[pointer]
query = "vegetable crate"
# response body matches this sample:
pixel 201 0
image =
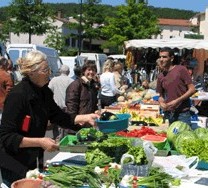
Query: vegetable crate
pixel 66 145
pixel 165 151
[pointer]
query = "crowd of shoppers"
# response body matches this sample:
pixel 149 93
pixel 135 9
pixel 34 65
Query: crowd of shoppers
pixel 73 104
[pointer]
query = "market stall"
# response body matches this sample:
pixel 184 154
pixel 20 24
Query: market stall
pixel 110 157
pixel 194 174
pixel 199 47
pixel 180 43
pixel 131 141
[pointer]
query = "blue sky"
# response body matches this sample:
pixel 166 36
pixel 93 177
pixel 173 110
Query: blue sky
pixel 195 5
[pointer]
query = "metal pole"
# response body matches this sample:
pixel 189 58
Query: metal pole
pixel 80 29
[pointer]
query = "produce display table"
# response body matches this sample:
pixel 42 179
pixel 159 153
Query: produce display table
pixel 201 96
pixel 189 181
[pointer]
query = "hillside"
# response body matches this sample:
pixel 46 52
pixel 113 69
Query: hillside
pixel 71 9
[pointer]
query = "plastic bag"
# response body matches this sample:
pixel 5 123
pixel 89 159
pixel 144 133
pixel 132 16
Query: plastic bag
pixel 132 169
pixel 177 166
pixel 150 150
pixel 138 170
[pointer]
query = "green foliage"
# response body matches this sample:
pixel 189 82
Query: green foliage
pixel 4 35
pixel 194 36
pixel 172 13
pixel 93 17
pixel 55 40
pixel 28 16
pixel 135 20
pixel 73 9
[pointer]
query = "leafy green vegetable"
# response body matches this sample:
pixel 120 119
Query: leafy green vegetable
pixel 176 182
pixel 112 147
pixel 139 155
pixel 111 176
pixel 156 178
pixel 73 176
pixel 94 156
pixel 113 117
pixel 192 147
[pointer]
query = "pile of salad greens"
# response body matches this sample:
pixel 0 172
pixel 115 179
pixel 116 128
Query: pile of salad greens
pixel 112 148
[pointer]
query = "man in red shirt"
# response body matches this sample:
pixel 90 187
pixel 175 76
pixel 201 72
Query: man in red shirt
pixel 175 87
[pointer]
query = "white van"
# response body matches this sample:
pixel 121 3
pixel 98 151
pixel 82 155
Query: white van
pixel 72 62
pixel 98 58
pixel 16 51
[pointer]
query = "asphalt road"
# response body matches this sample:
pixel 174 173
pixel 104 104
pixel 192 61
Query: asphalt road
pixel 47 155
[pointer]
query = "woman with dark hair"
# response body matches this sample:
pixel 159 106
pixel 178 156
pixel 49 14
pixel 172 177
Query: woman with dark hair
pixel 81 94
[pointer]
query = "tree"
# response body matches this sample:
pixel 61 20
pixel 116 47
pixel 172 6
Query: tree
pixel 28 16
pixel 55 40
pixel 134 21
pixel 92 21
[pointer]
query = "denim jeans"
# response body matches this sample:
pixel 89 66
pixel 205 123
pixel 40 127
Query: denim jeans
pixel 175 116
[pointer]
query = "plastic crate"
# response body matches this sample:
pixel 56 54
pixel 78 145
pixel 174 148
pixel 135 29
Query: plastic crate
pixel 165 151
pixel 174 152
pixel 111 126
pixel 67 140
pixel 66 145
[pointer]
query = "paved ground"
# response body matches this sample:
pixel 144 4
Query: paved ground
pixel 47 154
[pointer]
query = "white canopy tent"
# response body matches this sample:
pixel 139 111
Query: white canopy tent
pixel 179 43
pixel 200 47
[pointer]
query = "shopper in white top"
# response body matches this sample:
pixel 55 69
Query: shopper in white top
pixel 108 86
pixel 58 85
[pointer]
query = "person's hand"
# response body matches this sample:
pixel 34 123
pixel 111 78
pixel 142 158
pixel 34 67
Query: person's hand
pixel 87 118
pixel 172 105
pixel 49 144
pixel 124 87
pixel 163 106
pixel 99 112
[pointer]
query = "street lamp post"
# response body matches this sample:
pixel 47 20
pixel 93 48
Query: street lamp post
pixel 80 29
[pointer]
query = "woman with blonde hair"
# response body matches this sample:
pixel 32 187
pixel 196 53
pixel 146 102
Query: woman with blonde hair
pixel 28 108
pixel 108 85
pixel 118 68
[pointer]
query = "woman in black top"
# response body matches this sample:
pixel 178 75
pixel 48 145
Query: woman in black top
pixel 27 109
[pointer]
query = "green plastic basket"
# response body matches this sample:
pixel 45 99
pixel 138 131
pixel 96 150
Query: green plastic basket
pixel 66 145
